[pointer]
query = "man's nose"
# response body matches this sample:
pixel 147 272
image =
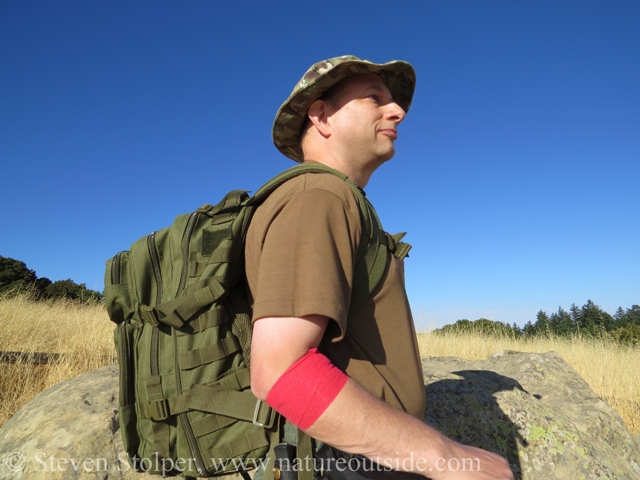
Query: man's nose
pixel 395 112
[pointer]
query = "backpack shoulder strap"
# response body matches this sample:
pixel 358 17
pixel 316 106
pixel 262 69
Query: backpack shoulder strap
pixel 375 245
pixel 269 187
pixel 373 254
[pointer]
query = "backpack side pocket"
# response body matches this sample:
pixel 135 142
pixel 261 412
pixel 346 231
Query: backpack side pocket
pixel 119 302
pixel 125 336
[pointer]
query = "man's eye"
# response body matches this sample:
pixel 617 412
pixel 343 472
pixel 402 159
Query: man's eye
pixel 375 97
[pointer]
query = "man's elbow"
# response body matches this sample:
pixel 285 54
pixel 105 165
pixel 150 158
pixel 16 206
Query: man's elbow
pixel 265 373
pixel 277 344
pixel 260 383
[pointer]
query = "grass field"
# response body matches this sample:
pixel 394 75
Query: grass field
pixel 83 335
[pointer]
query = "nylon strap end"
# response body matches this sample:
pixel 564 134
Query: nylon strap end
pixel 402 250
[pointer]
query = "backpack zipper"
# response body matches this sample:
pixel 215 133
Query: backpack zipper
pixel 186 239
pixel 155 264
pixel 115 269
pixel 184 419
pixel 124 364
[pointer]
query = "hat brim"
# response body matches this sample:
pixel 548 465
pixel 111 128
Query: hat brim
pixel 398 76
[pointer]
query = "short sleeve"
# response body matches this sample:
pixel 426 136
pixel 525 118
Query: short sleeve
pixel 307 257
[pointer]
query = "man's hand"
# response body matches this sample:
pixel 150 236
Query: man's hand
pixel 471 463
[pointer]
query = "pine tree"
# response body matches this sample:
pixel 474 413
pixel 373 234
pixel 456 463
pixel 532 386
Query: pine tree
pixel 576 316
pixel 542 325
pixel 595 320
pixel 566 323
pixel 529 330
pixel 619 318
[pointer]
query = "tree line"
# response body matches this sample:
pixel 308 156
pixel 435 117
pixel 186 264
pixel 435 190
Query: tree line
pixel 16 277
pixel 587 321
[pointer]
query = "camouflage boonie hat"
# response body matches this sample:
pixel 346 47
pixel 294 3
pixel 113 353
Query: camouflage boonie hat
pixel 398 76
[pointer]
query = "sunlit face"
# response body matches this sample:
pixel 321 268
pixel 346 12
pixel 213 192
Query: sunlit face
pixel 364 119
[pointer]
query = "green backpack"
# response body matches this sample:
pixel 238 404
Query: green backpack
pixel 183 336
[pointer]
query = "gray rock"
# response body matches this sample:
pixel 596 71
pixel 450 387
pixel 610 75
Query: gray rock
pixel 533 409
pixel 68 431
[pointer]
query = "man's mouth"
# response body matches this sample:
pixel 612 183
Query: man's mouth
pixel 391 132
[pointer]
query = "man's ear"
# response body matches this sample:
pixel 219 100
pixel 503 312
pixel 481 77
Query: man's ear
pixel 318 115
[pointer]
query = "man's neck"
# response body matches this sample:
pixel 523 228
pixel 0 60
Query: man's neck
pixel 360 176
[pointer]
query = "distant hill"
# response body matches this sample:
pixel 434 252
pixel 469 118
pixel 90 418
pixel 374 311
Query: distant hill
pixel 16 277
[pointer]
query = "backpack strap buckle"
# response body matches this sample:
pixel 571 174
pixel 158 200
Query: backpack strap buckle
pixel 149 315
pixel 158 410
pixel 398 248
pixel 268 414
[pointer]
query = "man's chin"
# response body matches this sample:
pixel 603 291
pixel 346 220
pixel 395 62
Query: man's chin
pixel 388 155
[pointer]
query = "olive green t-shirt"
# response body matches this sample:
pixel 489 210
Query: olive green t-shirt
pixel 300 254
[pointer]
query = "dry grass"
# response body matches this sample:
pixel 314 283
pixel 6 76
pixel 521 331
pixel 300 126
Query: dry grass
pixel 610 370
pixel 81 333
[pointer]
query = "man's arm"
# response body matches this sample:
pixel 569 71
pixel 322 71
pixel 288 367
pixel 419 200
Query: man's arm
pixel 356 421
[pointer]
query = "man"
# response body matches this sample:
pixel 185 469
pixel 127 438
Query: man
pixel 352 380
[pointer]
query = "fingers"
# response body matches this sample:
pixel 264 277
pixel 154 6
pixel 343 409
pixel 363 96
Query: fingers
pixel 471 463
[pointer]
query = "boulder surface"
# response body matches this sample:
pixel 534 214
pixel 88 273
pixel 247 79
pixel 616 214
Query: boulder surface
pixel 68 431
pixel 533 409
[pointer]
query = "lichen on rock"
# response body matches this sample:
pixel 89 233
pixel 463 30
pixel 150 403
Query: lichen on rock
pixel 535 410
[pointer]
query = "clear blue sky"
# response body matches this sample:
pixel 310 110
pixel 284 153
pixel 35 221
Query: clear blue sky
pixel 517 169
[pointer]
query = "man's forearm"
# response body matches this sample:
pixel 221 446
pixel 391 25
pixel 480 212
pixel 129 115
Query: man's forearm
pixel 357 422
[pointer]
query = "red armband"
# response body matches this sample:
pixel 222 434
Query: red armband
pixel 306 389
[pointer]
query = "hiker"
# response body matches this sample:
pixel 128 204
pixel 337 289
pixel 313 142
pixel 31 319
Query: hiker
pixel 352 380
pixel 332 347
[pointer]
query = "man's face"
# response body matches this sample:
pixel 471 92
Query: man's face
pixel 364 119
